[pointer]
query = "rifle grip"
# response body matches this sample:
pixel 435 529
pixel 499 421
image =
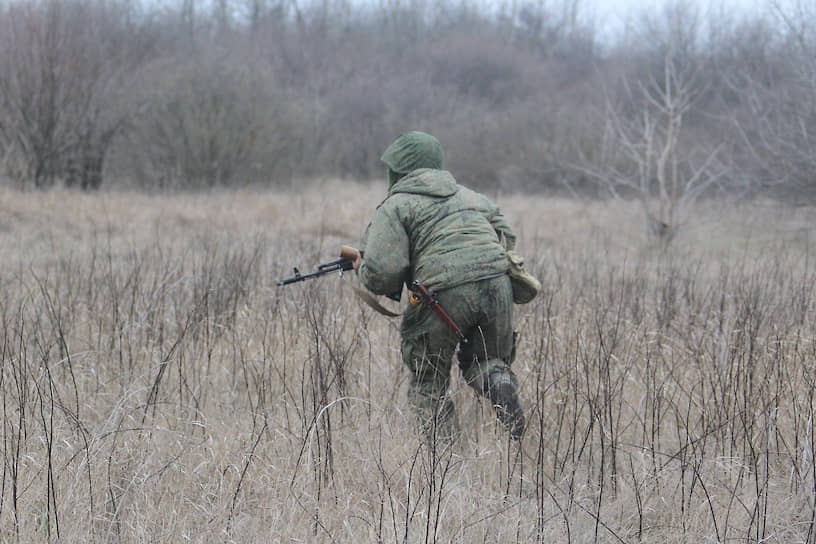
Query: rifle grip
pixel 348 252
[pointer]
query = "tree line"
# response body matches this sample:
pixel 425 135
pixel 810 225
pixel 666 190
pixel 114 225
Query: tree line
pixel 524 95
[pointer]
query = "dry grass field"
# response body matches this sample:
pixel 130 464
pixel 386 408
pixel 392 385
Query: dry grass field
pixel 157 386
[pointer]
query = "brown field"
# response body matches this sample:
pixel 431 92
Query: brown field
pixel 158 387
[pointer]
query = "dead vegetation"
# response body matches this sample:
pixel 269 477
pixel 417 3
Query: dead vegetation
pixel 157 386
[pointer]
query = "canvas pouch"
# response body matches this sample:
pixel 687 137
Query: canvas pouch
pixel 525 285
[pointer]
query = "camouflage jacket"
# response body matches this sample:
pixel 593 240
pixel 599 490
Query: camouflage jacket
pixel 433 230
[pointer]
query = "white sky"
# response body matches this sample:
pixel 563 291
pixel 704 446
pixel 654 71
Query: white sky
pixel 615 8
pixel 612 15
pixel 619 10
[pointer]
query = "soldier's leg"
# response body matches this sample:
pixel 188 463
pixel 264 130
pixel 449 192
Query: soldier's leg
pixel 503 393
pixel 427 351
pixel 486 358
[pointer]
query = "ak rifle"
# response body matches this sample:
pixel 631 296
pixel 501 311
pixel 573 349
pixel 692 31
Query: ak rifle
pixel 344 263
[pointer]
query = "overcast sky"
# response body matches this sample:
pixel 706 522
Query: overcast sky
pixel 611 15
pixel 616 8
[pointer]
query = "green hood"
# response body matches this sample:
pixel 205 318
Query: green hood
pixel 414 150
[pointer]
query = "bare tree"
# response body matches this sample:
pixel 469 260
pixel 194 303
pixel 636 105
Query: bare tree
pixel 776 117
pixel 205 93
pixel 33 93
pixel 200 125
pixel 645 151
pixel 65 66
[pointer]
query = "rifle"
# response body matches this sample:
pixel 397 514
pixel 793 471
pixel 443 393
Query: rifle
pixel 344 263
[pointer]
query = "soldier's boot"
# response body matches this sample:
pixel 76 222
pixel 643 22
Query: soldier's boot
pixel 504 397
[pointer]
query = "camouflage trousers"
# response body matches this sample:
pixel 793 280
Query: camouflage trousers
pixel 483 310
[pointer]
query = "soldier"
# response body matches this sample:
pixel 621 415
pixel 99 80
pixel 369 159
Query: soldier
pixel 453 241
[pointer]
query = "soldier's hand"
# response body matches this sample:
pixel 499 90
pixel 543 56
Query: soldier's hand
pixel 352 254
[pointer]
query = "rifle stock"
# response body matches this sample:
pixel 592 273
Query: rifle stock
pixel 424 295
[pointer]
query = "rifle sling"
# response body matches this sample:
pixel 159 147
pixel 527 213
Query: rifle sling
pixel 372 301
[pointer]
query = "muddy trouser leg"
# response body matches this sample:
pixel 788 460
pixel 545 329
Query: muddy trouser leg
pixel 486 358
pixel 427 351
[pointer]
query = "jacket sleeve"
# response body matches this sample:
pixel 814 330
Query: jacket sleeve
pixel 386 252
pixel 491 212
pixel 501 226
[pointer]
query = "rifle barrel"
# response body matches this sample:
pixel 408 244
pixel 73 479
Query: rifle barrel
pixel 340 265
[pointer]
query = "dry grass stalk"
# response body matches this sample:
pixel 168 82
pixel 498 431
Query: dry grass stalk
pixel 157 386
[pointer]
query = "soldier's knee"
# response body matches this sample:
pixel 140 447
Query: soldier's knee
pixel 477 375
